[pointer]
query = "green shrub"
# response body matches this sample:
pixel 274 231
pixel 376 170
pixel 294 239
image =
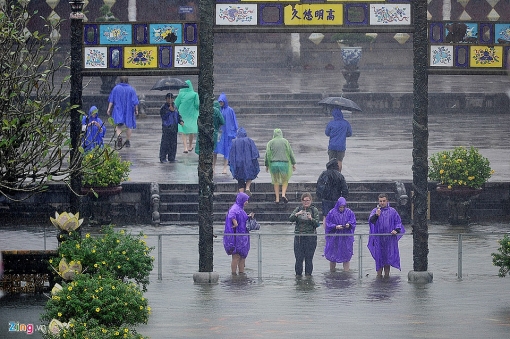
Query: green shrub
pixel 502 259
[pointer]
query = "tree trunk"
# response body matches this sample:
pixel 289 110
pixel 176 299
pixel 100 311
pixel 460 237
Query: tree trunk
pixel 205 136
pixel 420 136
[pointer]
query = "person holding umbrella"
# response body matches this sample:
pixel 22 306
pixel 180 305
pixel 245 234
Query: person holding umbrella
pixel 170 119
pixel 338 130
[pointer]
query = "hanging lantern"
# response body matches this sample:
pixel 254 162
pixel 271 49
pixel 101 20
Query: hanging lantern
pixel 401 37
pixel 316 38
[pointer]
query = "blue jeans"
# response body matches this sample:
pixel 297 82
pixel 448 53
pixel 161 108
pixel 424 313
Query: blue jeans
pixel 304 249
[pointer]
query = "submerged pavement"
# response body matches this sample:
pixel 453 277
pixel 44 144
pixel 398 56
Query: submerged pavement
pixel 352 304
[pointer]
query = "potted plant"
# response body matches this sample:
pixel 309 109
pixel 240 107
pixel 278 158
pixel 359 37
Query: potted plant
pixel 461 174
pixel 103 171
pixel 351 52
pixel 502 259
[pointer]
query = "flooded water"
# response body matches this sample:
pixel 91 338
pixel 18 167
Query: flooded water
pixel 340 304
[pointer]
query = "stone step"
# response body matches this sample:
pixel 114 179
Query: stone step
pixel 180 202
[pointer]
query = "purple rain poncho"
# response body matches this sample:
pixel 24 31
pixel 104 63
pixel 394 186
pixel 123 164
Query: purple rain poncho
pixel 237 244
pixel 338 130
pixel 228 130
pixel 243 158
pixel 124 100
pixel 93 134
pixel 188 104
pixel 384 249
pixel 339 248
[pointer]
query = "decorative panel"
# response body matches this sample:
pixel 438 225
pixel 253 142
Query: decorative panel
pixel 441 56
pixel 96 57
pixel 486 56
pixel 140 57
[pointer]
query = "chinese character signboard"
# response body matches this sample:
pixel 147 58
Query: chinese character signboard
pixel 290 13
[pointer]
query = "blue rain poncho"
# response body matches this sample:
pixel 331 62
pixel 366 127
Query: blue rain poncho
pixel 124 100
pixel 243 158
pixel 94 134
pixel 338 130
pixel 228 130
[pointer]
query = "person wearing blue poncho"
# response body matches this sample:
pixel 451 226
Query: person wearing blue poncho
pixel 237 246
pixel 384 248
pixel 228 132
pixel 338 130
pixel 94 130
pixel 123 107
pixel 243 160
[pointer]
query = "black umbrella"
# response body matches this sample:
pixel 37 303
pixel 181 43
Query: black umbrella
pixel 169 84
pixel 341 102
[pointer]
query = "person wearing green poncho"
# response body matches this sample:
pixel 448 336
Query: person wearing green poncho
pixel 280 162
pixel 218 121
pixel 188 104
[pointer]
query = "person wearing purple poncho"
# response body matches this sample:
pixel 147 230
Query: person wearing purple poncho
pixel 237 246
pixel 94 130
pixel 227 132
pixel 243 160
pixel 384 248
pixel 340 220
pixel 123 107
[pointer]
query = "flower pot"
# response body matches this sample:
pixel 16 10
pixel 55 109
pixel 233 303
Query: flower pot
pixel 459 202
pixel 351 56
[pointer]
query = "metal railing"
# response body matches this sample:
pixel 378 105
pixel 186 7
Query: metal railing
pixel 358 236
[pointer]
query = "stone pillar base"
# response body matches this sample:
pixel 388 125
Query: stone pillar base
pixel 423 277
pixel 206 277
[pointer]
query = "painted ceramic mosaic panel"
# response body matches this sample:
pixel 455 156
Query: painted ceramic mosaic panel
pixel 115 34
pixel 461 32
pixel 389 14
pixel 162 33
pixel 486 56
pixel 186 56
pixel 236 15
pixel 441 56
pixel 95 57
pixel 502 33
pixel 141 57
pixel 313 14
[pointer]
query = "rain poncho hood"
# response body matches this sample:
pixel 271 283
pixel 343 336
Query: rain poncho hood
pixel 339 249
pixel 188 104
pixel 384 249
pixel 237 244
pixel 93 134
pixel 243 157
